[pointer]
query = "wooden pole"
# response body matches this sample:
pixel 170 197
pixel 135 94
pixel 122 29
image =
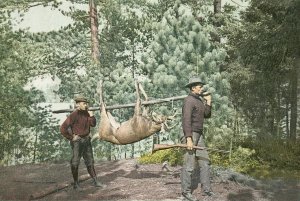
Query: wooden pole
pixel 151 102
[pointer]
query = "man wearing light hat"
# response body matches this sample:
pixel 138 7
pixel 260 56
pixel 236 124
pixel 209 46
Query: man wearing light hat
pixel 76 128
pixel 196 107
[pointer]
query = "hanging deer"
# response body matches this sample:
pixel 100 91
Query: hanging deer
pixel 140 126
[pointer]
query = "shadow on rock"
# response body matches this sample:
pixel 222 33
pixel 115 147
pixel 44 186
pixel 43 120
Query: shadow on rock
pixel 244 195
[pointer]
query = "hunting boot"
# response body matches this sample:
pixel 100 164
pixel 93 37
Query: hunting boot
pixel 188 197
pixel 76 185
pixel 92 172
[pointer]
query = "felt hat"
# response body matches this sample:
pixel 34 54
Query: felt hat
pixel 80 98
pixel 194 81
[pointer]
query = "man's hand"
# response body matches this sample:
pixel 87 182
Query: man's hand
pixel 208 99
pixel 75 137
pixel 91 113
pixel 189 143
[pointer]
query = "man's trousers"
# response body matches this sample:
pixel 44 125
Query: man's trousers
pixel 82 148
pixel 195 161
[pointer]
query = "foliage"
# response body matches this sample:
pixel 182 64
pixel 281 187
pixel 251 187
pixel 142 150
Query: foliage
pixel 18 65
pixel 182 48
pixel 26 4
pixel 241 160
pixel 264 50
pixel 47 143
pixel 172 156
pixel 16 101
pixel 218 159
pixel 261 158
pixel 278 153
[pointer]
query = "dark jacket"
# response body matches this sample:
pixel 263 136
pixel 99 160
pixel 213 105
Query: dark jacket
pixel 78 122
pixel 194 111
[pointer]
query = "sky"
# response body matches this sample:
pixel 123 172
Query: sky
pixel 44 19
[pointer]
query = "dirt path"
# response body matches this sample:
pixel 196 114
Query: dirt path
pixel 126 180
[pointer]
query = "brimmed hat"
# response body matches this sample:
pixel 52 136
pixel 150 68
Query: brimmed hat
pixel 193 81
pixel 80 98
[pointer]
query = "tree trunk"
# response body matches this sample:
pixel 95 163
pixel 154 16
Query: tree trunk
pixel 294 96
pixel 155 140
pixel 94 31
pixel 109 152
pixel 298 100
pixel 34 147
pixel 132 150
pixel 278 112
pixel 217 11
pixel 287 119
pixel 217 6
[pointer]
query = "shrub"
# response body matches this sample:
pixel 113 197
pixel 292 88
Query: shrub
pixel 279 153
pixel 173 156
pixel 243 160
pixel 219 159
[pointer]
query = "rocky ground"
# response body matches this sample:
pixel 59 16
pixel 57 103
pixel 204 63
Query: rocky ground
pixel 128 180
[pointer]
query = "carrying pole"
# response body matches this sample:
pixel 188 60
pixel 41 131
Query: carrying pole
pixel 151 102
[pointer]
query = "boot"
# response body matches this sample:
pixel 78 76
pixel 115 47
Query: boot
pixel 208 193
pixel 76 185
pixel 92 172
pixel 97 183
pixel 188 197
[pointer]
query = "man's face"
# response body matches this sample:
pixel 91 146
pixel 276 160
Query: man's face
pixel 82 105
pixel 197 89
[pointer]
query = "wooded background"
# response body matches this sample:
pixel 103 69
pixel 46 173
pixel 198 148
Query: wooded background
pixel 248 56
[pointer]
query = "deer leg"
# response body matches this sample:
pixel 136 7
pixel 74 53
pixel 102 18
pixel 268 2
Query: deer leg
pixel 143 91
pixel 145 108
pixel 108 115
pixel 100 91
pixel 113 122
pixel 137 109
pixel 106 130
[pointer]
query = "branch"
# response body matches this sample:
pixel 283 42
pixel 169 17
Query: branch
pixel 238 3
pixel 55 188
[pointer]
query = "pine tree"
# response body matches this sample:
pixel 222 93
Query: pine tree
pixel 182 48
pixel 264 67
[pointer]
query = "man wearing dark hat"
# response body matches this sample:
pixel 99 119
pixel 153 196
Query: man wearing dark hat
pixel 76 128
pixel 195 108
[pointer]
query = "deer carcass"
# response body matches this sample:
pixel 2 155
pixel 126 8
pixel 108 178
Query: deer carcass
pixel 133 130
